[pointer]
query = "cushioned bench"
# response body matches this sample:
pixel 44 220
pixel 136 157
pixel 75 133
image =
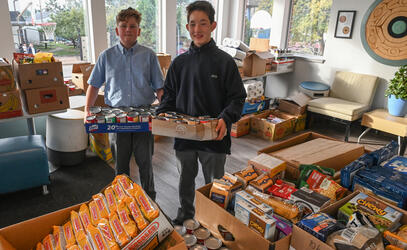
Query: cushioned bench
pixel 23 163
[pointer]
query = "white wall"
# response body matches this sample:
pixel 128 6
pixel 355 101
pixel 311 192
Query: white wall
pixel 6 42
pixel 340 54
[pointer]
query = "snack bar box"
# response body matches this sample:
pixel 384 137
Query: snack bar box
pixel 26 234
pixel 117 127
pixel 199 132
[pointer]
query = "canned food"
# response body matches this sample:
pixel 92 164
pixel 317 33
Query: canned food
pixel 171 113
pixel 72 87
pixel 106 112
pixel 95 110
pixel 198 247
pixel 100 119
pixel 126 109
pixel 133 116
pixel 121 118
pixel 116 111
pixel 228 236
pixel 180 229
pixel 191 225
pixel 106 109
pixel 144 118
pixel 204 117
pixel 192 121
pixel 91 119
pixel 190 240
pixel 204 121
pixel 110 118
pixel 213 243
pixel 201 235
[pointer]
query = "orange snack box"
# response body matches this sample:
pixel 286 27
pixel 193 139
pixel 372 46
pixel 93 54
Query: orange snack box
pixel 96 238
pixel 145 205
pixel 262 182
pixel 39 246
pixel 94 214
pixel 111 199
pixel 85 215
pixel 107 233
pixel 85 244
pixel 73 247
pixel 119 233
pixel 119 192
pixel 59 238
pixel 48 242
pixel 77 227
pixel 68 234
pixel 124 182
pixel 136 213
pixel 128 224
pixel 101 204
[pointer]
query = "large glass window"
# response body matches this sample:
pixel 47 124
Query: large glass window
pixel 257 19
pixel 183 38
pixel 308 26
pixel 149 20
pixel 56 26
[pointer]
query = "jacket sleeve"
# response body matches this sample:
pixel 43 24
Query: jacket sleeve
pixel 235 94
pixel 168 100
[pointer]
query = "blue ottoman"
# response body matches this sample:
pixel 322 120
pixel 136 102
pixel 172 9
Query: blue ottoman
pixel 23 163
pixel 314 89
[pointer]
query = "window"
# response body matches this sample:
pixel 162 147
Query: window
pixel 308 26
pixel 149 20
pixel 257 19
pixel 56 26
pixel 182 36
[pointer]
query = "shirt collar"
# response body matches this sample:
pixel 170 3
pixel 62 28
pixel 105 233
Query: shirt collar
pixel 204 47
pixel 123 50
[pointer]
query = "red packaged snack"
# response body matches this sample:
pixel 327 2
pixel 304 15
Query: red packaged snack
pixel 281 189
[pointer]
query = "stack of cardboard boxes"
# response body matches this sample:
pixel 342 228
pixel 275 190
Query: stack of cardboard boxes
pixel 10 102
pixel 43 86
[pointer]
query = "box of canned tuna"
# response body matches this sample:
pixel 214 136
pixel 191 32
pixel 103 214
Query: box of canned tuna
pixel 119 120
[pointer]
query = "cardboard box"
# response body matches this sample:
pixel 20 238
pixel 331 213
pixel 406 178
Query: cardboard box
pixel 81 73
pixel 200 132
pixel 314 148
pixel 254 64
pixel 46 99
pixel 34 230
pixel 174 241
pixel 39 75
pixel 245 238
pixel 282 66
pixel 253 107
pixel 241 127
pixel 6 77
pixel 165 61
pixel 264 163
pixel 259 44
pixel 304 240
pixel 295 104
pixel 10 104
pixel 272 131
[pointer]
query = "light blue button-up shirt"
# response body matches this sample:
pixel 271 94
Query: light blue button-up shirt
pixel 131 75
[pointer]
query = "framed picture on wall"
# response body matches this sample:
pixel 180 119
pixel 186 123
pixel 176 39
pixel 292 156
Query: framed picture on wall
pixel 344 24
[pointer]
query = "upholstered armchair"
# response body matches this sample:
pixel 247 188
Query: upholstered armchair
pixel 351 95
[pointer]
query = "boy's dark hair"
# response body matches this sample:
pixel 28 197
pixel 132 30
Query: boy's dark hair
pixel 204 6
pixel 126 14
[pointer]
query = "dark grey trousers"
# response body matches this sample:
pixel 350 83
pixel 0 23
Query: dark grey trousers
pixel 213 166
pixel 141 144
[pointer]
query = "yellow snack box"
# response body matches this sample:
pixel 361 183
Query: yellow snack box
pixel 124 182
pixel 94 214
pixel 111 199
pixel 101 204
pixel 128 224
pixel 43 57
pixel 59 238
pixel 119 233
pixel 145 205
pixel 85 215
pixel 136 213
pixel 77 227
pixel 48 242
pixel 107 233
pixel 68 234
pixel 96 238
pixel 119 192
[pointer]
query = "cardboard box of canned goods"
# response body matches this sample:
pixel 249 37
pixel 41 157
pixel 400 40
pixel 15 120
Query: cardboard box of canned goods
pixel 26 234
pixel 185 127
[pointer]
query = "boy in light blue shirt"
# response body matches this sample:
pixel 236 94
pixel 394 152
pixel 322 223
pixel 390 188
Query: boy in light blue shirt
pixel 133 78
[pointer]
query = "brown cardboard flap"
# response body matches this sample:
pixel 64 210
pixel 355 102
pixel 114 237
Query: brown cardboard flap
pixel 259 44
pixel 76 67
pixel 5 245
pixel 86 70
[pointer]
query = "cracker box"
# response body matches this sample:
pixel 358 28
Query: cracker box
pixel 381 215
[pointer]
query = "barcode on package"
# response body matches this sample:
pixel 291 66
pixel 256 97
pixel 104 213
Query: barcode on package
pixel 349 234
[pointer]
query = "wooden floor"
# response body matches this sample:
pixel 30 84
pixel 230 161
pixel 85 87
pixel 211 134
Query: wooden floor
pixel 243 148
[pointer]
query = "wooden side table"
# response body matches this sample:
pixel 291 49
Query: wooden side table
pixel 380 119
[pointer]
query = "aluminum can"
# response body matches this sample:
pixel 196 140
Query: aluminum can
pixel 201 235
pixel 91 119
pixel 213 243
pixel 121 118
pixel 191 225
pixel 110 118
pixel 190 240
pixel 100 119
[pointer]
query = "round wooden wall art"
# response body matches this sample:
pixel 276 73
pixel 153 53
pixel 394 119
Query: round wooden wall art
pixel 384 31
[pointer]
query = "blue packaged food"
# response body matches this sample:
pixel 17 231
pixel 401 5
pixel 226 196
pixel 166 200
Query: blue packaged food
pixel 385 153
pixel 347 173
pixel 397 163
pixel 320 225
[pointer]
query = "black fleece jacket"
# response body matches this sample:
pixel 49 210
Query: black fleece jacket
pixel 204 81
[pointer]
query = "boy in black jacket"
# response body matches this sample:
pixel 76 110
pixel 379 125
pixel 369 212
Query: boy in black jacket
pixel 202 81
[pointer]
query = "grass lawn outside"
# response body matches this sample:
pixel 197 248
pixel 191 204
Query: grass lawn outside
pixel 59 49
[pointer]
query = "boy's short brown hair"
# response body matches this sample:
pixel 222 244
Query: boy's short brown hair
pixel 204 6
pixel 126 14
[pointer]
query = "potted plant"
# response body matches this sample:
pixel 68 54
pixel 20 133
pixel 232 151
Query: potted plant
pixel 397 93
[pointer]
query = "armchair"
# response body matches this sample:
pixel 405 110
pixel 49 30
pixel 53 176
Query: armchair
pixel 351 95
